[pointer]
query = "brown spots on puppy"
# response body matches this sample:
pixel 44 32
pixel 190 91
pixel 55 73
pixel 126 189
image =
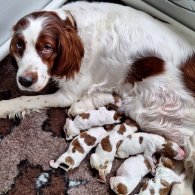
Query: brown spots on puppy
pixel 84 115
pixel 118 144
pixel 82 131
pixel 145 185
pixel 112 107
pixel 116 116
pixel 106 145
pixel 168 150
pixel 147 164
pixel 122 189
pixel 188 72
pixel 145 67
pixel 88 139
pixel 122 129
pixel 152 192
pixel 69 160
pixel 167 162
pixel 164 183
pixel 140 139
pixel 109 127
pixel 166 189
pixel 77 146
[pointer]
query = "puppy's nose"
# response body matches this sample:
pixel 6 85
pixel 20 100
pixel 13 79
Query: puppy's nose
pixel 25 81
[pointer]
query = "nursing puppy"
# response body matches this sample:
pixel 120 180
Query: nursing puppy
pixel 79 148
pixel 162 182
pixel 129 174
pixel 105 152
pixel 91 118
pixel 148 144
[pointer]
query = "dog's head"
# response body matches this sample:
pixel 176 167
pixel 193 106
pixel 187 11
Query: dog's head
pixel 45 44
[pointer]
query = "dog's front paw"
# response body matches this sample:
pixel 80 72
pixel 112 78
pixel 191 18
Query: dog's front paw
pixel 4 109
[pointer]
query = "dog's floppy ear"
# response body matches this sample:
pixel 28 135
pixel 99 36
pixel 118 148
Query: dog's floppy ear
pixel 70 52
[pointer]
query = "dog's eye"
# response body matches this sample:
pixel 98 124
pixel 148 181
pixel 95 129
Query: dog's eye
pixel 19 45
pixel 47 48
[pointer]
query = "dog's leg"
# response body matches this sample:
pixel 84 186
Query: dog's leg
pixel 92 102
pixel 24 104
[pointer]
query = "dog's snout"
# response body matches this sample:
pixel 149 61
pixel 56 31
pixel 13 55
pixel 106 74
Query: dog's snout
pixel 28 79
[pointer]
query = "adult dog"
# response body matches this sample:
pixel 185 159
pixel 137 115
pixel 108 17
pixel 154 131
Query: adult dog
pixel 94 49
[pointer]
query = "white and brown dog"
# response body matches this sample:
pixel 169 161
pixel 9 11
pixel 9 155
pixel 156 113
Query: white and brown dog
pixel 96 48
pixel 129 174
pixel 93 118
pixel 105 152
pixel 161 184
pixel 79 148
pixel 148 144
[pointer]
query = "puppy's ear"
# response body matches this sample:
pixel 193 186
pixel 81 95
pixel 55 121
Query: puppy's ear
pixel 70 52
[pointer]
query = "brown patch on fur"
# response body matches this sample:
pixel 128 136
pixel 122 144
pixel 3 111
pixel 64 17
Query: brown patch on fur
pixel 140 139
pixel 122 189
pixel 116 116
pixel 82 131
pixel 164 191
pixel 145 185
pixel 145 67
pixel 147 164
pixel 168 151
pixel 105 143
pixel 84 115
pixel 152 192
pixel 188 72
pixel 118 144
pixel 122 129
pixel 164 182
pixel 88 139
pixel 167 162
pixel 69 160
pixel 112 107
pixel 77 146
pixel 109 127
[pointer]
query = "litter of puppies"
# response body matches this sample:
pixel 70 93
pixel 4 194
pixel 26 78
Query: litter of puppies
pixel 104 128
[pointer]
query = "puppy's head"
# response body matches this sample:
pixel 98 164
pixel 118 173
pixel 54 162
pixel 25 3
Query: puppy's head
pixel 172 150
pixel 45 44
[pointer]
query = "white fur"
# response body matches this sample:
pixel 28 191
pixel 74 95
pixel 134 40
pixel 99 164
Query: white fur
pixel 113 37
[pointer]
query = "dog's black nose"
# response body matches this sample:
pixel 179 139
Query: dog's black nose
pixel 26 81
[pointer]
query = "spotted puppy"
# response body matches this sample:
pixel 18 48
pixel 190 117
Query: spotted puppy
pixel 129 174
pixel 148 144
pixel 162 181
pixel 105 152
pixel 79 148
pixel 92 118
